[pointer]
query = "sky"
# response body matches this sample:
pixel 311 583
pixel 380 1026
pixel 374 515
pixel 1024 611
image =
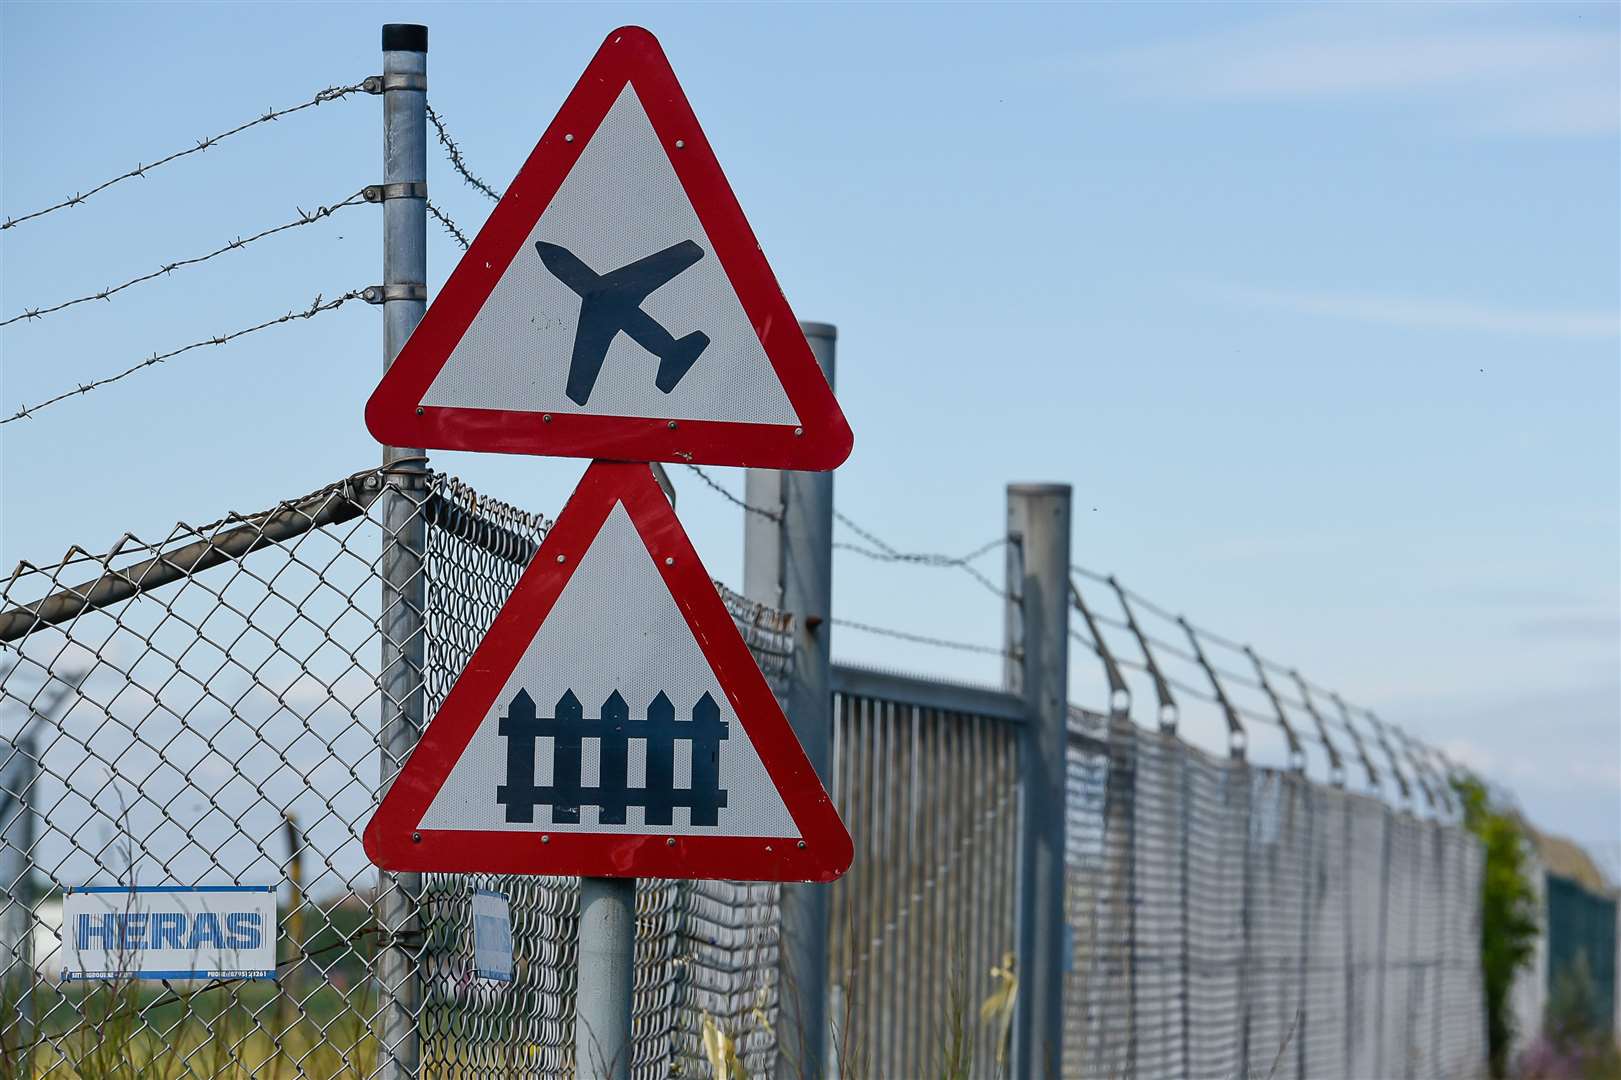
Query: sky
pixel 1315 307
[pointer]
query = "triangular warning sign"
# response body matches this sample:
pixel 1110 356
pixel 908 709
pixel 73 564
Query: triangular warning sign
pixel 616 304
pixel 612 723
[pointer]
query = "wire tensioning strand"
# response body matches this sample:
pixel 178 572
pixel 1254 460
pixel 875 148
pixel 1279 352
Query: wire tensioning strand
pixel 304 218
pixel 331 93
pixel 454 152
pixel 921 639
pixel 930 559
pixel 748 507
pixel 317 307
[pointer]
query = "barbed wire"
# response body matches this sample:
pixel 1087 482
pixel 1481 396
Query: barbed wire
pixel 921 639
pixel 1224 674
pixel 315 308
pixel 454 152
pixel 304 218
pixel 883 551
pixel 450 226
pixel 331 93
pixel 769 515
pixel 880 551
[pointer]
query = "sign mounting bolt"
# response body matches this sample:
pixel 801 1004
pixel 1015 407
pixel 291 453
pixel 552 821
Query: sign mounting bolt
pixel 419 410
pixel 561 558
pixel 680 143
pixel 568 138
pixel 799 431
pixel 670 425
pixel 544 839
pixel 416 838
pixel 669 841
pixel 802 843
pixel 669 560
pixel 545 418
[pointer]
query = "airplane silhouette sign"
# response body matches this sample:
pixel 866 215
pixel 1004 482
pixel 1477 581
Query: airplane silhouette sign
pixel 613 302
pixel 616 304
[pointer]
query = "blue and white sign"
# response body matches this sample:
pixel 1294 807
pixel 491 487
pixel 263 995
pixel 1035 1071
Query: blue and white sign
pixel 169 932
pixel 492 936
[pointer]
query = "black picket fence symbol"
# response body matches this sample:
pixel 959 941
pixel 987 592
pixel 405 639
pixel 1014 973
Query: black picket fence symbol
pixel 569 727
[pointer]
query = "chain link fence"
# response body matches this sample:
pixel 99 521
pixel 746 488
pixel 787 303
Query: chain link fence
pixel 205 709
pixel 210 708
pixel 1235 920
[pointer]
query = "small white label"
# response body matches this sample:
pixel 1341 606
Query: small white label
pixel 492 936
pixel 169 932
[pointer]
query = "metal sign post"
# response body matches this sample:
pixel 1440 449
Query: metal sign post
pixel 612 723
pixel 405 589
pixel 606 972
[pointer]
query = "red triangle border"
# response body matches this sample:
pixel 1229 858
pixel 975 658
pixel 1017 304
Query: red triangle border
pixel 394 839
pixel 822 439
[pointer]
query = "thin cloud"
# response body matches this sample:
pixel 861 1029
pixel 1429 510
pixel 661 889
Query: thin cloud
pixel 1581 627
pixel 1426 313
pixel 1473 66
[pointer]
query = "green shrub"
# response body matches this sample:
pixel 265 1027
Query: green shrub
pixel 1508 910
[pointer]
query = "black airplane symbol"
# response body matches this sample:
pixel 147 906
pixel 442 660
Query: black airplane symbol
pixel 612 302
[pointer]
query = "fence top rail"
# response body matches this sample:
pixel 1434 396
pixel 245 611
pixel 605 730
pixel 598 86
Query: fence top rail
pixel 927 693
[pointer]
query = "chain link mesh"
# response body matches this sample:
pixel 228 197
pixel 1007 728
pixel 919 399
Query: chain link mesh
pixel 206 708
pixel 1233 920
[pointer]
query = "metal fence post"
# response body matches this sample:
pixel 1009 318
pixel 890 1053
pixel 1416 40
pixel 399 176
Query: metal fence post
pixel 405 272
pixel 1037 638
pixel 606 963
pixel 788 564
pixel 19 771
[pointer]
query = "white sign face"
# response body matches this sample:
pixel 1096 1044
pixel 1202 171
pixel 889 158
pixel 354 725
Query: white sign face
pixel 169 932
pixel 616 304
pixel 492 936
pixel 614 654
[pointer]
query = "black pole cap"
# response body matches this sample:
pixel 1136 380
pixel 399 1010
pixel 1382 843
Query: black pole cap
pixel 405 37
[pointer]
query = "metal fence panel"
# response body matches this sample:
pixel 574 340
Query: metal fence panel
pixel 218 723
pixel 926 911
pixel 1231 920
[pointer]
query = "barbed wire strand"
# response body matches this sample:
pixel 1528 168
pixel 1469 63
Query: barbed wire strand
pixel 920 639
pixel 331 93
pixel 454 152
pixel 883 551
pixel 304 218
pixel 769 515
pixel 450 226
pixel 317 307
pixel 1249 682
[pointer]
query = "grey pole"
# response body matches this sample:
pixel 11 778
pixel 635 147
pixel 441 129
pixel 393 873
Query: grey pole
pixel 606 963
pixel 1037 639
pixel 19 769
pixel 405 273
pixel 788 564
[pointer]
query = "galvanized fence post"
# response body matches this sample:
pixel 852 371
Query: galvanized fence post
pixel 788 564
pixel 1037 669
pixel 606 974
pixel 405 272
pixel 19 772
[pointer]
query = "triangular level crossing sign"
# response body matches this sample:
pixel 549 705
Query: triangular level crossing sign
pixel 612 723
pixel 616 304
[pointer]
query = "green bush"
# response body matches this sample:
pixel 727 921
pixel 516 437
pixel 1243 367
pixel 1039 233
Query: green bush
pixel 1508 910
